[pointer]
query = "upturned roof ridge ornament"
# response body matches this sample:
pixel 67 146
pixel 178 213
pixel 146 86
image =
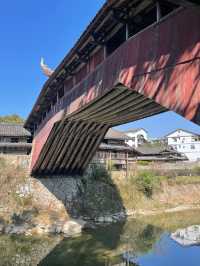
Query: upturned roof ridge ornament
pixel 45 69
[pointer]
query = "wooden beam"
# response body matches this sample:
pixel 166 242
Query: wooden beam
pixel 184 3
pixel 85 142
pixel 93 148
pixel 65 135
pixel 71 133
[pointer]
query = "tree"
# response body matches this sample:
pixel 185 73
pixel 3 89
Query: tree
pixel 12 119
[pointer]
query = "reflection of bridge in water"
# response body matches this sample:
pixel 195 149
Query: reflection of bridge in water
pixel 135 59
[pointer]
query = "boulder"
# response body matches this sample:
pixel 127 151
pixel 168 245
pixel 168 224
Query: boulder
pixel 187 236
pixel 16 229
pixel 72 228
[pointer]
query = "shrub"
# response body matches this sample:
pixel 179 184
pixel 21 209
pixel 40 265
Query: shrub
pixel 196 170
pixel 99 173
pixel 147 182
pixel 144 182
pixel 111 166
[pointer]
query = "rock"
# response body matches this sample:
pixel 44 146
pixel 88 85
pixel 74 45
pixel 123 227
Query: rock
pixel 99 219
pixel 39 229
pixel 89 225
pixel 108 219
pixel 16 229
pixel 57 228
pixel 73 227
pixel 188 236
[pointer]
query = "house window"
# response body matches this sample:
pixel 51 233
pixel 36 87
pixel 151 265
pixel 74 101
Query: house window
pixel 14 140
pixel 192 147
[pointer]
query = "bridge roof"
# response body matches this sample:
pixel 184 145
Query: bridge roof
pixel 64 67
pixel 94 25
pixel 84 37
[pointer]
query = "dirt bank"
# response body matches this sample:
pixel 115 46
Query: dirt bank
pixel 46 205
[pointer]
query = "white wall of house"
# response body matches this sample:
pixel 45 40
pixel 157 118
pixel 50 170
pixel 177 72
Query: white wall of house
pixel 135 137
pixel 186 143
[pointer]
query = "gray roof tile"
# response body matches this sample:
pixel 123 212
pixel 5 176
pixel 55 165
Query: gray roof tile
pixel 13 130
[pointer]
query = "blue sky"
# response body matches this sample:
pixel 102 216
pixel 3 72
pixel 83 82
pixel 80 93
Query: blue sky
pixel 31 29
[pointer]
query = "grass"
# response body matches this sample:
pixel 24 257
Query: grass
pixel 11 177
pixel 143 163
pixel 142 190
pixel 184 180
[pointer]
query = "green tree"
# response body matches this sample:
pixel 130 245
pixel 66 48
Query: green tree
pixel 12 119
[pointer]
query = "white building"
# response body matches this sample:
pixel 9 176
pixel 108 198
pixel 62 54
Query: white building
pixel 137 136
pixel 185 142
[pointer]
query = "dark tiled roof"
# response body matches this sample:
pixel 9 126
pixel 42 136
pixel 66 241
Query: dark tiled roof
pixel 156 149
pixel 13 130
pixel 115 134
pixel 104 146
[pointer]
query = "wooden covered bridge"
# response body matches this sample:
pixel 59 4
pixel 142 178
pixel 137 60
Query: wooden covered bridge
pixel 137 58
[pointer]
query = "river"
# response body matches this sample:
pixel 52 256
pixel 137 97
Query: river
pixel 147 239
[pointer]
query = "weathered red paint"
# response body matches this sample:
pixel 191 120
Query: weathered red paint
pixel 41 137
pixel 162 63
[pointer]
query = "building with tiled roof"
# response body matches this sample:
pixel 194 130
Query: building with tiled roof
pixel 116 148
pixel 14 139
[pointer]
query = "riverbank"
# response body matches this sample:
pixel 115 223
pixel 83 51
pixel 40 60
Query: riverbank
pixel 66 205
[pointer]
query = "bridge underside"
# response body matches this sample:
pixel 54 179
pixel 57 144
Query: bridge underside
pixel 74 140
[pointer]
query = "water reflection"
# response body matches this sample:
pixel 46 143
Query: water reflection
pixel 147 240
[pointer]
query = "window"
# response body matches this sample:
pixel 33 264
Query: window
pixel 49 108
pixel 142 20
pixel 54 101
pixel 61 92
pixel 116 41
pixel 14 140
pixel 149 16
pixel 192 147
pixel 29 140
